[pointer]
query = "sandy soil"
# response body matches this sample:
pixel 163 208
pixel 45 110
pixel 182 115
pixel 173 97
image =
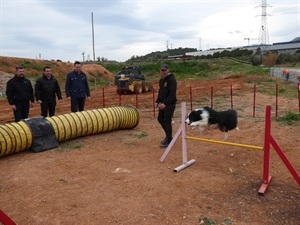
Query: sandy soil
pixel 117 177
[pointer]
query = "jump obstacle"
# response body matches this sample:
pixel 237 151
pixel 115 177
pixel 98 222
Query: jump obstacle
pixel 269 140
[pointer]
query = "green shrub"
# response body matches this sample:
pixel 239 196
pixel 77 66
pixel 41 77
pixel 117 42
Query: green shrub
pixel 289 118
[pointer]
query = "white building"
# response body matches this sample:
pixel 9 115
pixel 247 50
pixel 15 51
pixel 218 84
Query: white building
pixel 280 47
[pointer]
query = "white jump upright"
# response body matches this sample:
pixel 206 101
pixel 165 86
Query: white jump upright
pixel 181 130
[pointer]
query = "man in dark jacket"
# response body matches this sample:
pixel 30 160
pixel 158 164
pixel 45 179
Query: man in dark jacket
pixel 46 90
pixel 19 94
pixel 166 102
pixel 77 88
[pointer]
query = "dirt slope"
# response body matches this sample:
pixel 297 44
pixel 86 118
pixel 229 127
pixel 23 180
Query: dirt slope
pixel 34 67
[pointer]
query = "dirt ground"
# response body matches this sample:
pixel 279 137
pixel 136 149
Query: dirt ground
pixel 117 177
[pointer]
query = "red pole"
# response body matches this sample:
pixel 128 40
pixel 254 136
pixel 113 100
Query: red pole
pixel 285 160
pixel 211 96
pixel 103 98
pixel 231 101
pixel 191 98
pixel 299 95
pixel 136 100
pixel 153 97
pixel 5 219
pixel 276 100
pixel 120 99
pixel 254 92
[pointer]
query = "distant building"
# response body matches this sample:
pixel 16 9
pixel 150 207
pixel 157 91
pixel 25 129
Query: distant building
pixel 208 52
pixel 280 47
pixel 286 47
pixel 182 57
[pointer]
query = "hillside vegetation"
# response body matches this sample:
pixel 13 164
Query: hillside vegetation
pixel 195 69
pixel 102 74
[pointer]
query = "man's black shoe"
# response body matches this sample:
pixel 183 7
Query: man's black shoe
pixel 165 145
pixel 164 141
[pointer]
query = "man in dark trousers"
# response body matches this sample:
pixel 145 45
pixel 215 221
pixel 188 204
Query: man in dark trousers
pixel 46 90
pixel 77 88
pixel 166 102
pixel 19 94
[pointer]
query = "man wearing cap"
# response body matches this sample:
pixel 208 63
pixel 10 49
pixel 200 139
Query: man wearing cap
pixel 166 102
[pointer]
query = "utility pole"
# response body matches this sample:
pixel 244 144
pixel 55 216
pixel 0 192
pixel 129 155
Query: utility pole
pixel 82 56
pixel 248 39
pixel 93 37
pixel 200 47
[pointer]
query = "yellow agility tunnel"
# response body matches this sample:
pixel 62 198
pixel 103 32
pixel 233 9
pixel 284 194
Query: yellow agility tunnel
pixel 16 137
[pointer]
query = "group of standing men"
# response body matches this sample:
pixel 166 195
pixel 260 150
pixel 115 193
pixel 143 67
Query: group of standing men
pixel 20 93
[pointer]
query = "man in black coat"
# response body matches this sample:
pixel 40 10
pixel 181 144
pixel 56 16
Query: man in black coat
pixel 46 90
pixel 77 88
pixel 166 102
pixel 19 94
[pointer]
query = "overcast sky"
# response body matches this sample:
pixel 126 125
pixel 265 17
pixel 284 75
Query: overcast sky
pixel 62 29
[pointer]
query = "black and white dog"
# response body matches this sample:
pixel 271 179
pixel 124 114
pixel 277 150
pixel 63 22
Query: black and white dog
pixel 204 117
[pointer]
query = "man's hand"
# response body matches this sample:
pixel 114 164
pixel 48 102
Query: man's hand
pixel 161 106
pixel 13 107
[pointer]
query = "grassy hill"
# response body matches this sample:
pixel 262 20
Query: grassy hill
pixel 102 74
pixel 196 69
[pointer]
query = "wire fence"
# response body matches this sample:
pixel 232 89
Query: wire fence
pixel 248 100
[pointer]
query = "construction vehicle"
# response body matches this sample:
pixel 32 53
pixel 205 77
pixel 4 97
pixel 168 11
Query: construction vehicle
pixel 131 80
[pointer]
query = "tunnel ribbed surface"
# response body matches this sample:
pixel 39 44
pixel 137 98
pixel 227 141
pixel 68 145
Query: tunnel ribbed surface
pixel 16 137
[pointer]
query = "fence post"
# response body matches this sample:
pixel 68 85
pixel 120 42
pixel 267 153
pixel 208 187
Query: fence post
pixel 103 98
pixel 136 100
pixel 212 96
pixel 153 101
pixel 254 100
pixel 276 100
pixel 191 98
pixel 231 101
pixel 299 95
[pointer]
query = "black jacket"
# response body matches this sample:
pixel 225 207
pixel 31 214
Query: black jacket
pixel 167 90
pixel 19 90
pixel 77 85
pixel 47 89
